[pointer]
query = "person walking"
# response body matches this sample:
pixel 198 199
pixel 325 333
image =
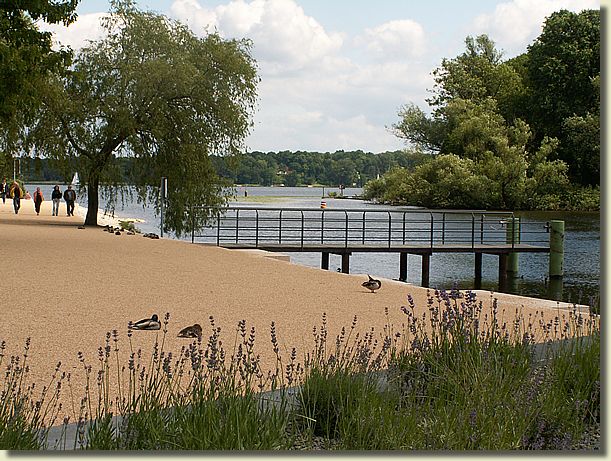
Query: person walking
pixel 38 199
pixel 4 190
pixel 56 196
pixel 16 195
pixel 70 197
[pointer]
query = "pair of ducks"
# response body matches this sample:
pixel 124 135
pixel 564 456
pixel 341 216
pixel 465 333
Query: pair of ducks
pixel 153 323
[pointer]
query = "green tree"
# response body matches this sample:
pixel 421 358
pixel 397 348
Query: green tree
pixel 564 71
pixel 26 58
pixel 476 77
pixel 151 90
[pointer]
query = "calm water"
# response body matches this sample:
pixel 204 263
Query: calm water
pixel 580 283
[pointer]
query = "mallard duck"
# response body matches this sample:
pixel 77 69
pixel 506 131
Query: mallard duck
pixel 146 324
pixel 372 284
pixel 194 331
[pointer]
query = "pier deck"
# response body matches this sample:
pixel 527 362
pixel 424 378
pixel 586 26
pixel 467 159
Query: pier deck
pixel 391 230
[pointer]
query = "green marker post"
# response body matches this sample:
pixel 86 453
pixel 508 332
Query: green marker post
pixel 556 249
pixel 513 236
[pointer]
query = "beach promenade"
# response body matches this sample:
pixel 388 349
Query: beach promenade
pixel 66 287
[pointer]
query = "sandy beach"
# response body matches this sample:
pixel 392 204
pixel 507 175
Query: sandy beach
pixel 66 287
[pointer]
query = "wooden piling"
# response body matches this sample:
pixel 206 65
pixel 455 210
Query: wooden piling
pixel 556 249
pixel 426 263
pixel 345 263
pixel 403 267
pixel 503 272
pixel 477 285
pixel 324 263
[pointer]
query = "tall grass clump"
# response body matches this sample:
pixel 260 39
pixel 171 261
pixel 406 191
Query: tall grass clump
pixel 341 400
pixel 472 381
pixel 24 415
pixel 201 400
pixel 456 378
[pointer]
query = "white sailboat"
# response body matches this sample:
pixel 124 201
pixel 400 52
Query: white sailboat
pixel 75 180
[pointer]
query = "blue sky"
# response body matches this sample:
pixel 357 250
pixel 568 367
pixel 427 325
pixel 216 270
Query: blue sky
pixel 334 73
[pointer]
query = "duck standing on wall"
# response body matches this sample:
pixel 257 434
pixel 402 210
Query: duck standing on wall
pixel 146 324
pixel 372 284
pixel 194 331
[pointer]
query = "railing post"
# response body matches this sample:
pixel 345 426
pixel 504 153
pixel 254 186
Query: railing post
pixel 346 241
pixel 280 228
pixel 237 225
pixel 432 226
pixel 443 228
pixel 363 239
pixel 218 228
pixel 322 227
pixel 389 228
pixel 256 228
pixel 404 228
pixel 302 228
pixel 472 230
pixel 481 229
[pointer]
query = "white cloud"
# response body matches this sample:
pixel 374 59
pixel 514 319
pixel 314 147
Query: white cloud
pixel 514 25
pixel 283 35
pixel 395 40
pixel 297 129
pixel 76 35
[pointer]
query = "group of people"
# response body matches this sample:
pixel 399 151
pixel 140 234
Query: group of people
pixel 14 191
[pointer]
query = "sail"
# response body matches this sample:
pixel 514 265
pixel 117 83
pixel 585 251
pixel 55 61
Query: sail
pixel 75 180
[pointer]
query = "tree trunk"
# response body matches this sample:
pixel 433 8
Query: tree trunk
pixel 93 181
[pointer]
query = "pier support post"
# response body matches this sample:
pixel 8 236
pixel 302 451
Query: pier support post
pixel 403 267
pixel 556 249
pixel 554 291
pixel 426 263
pixel 324 263
pixel 345 263
pixel 478 271
pixel 503 271
pixel 513 236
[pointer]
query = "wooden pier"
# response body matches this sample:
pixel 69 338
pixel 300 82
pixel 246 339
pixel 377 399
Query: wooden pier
pixel 404 231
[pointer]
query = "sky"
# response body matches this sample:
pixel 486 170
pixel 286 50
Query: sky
pixel 335 73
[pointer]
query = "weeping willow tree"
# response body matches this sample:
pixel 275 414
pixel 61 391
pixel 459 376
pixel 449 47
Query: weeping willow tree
pixel 152 92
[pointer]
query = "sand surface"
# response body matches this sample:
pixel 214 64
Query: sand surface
pixel 66 287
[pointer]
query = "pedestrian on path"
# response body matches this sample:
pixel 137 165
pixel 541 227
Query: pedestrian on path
pixel 56 196
pixel 16 196
pixel 38 199
pixel 4 190
pixel 70 197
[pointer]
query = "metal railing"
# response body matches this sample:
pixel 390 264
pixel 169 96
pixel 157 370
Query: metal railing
pixel 255 227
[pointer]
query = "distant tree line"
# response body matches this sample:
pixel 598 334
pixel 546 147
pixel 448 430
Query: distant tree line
pixel 350 168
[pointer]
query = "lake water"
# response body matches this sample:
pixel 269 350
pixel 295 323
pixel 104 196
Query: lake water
pixel 581 281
